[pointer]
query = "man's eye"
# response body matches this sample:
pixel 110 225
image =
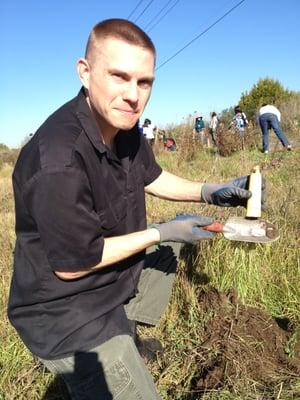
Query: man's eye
pixel 118 77
pixel 145 84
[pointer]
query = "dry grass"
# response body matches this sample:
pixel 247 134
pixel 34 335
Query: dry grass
pixel 264 276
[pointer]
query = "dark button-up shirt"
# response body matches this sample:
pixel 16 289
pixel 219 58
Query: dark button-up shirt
pixel 71 192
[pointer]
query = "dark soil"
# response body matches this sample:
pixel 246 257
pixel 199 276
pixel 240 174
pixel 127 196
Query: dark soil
pixel 242 345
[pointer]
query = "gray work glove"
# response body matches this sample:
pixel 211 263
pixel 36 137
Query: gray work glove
pixel 185 228
pixel 230 194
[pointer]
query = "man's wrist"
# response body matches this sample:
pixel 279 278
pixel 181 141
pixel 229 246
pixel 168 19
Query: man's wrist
pixel 155 232
pixel 201 188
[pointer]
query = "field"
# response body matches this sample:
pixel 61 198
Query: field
pixel 232 328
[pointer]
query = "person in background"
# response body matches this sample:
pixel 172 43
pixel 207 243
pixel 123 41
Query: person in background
pixel 213 124
pixel 239 120
pixel 87 267
pixel 148 131
pixel 269 118
pixel 200 129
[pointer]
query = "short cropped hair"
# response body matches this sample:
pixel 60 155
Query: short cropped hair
pixel 119 29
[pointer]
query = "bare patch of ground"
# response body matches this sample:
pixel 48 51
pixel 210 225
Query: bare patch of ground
pixel 242 344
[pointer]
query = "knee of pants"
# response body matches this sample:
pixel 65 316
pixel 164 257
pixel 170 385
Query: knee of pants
pixel 113 370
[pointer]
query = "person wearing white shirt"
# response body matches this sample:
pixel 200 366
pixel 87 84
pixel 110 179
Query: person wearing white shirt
pixel 269 117
pixel 148 131
pixel 213 123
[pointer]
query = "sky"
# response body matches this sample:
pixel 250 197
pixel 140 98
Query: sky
pixel 41 41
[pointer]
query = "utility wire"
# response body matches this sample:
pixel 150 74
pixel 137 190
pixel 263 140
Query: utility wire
pixel 147 6
pixel 212 16
pixel 135 8
pixel 158 14
pixel 166 13
pixel 200 34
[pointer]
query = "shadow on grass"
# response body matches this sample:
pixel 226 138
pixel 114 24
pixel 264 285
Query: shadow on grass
pixel 190 254
pixel 57 390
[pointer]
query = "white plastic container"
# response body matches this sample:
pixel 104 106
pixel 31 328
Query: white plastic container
pixel 254 203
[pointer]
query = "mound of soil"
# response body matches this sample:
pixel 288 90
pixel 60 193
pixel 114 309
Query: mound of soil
pixel 241 344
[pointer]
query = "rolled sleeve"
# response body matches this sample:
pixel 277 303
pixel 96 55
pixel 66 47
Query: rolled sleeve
pixel 61 204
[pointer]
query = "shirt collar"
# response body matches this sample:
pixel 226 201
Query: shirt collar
pixel 92 130
pixel 88 122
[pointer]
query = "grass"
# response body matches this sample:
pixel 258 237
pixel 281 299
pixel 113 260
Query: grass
pixel 265 276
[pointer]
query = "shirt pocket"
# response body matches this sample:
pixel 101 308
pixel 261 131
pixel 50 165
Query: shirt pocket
pixel 136 179
pixel 113 216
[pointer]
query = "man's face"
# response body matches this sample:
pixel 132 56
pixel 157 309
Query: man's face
pixel 119 83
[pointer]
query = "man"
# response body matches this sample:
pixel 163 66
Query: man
pixel 81 277
pixel 269 117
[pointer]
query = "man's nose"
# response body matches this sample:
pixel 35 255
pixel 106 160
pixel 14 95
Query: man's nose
pixel 131 92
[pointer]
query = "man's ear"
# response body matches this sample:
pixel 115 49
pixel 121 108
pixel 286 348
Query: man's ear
pixel 83 70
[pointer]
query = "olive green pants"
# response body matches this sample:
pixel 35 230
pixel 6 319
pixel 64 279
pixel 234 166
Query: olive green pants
pixel 115 370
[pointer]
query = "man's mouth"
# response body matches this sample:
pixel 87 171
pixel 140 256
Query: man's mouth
pixel 127 111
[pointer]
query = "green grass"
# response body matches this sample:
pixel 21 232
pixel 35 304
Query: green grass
pixel 265 276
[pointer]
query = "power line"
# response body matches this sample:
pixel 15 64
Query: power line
pixel 200 34
pixel 147 6
pixel 158 14
pixel 212 16
pixel 135 8
pixel 166 13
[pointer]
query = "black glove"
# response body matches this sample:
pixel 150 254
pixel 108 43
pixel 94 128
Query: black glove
pixel 184 228
pixel 230 194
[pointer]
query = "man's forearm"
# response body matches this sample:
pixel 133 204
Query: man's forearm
pixel 116 249
pixel 171 187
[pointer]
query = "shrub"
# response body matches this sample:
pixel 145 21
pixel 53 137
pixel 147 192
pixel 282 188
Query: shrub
pixel 267 91
pixel 290 111
pixel 8 156
pixel 231 140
